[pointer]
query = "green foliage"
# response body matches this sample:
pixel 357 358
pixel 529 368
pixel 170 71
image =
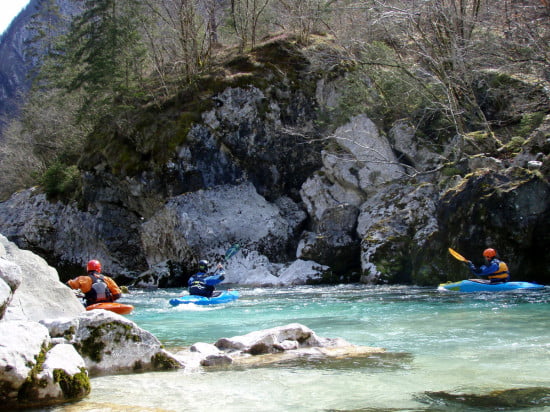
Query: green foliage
pixel 449 171
pixel 103 55
pixel 384 89
pixel 529 122
pixel 60 179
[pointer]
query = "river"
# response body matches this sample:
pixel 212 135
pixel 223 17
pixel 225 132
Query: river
pixel 446 351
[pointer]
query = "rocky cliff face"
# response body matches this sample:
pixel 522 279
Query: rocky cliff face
pixel 15 63
pixel 245 162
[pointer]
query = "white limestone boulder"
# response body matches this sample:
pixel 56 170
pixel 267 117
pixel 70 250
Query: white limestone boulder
pixel 111 344
pixel 252 268
pixel 277 339
pixel 10 279
pixel 33 373
pixel 63 376
pixel 40 294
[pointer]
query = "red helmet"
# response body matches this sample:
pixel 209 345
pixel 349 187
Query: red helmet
pixel 93 265
pixel 489 253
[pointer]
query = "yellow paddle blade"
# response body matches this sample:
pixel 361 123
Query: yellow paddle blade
pixel 457 255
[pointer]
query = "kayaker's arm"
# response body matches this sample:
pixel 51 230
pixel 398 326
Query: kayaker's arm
pixel 483 270
pixel 216 278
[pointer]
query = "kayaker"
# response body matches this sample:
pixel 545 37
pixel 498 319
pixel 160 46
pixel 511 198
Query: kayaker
pixel 95 286
pixel 495 270
pixel 202 283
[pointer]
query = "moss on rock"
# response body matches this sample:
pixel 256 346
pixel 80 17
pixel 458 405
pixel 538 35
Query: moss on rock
pixel 162 361
pixel 75 386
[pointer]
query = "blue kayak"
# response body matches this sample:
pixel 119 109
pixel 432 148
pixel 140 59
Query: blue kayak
pixel 224 297
pixel 481 285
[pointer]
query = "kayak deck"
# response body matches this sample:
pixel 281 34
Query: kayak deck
pixel 224 297
pixel 481 285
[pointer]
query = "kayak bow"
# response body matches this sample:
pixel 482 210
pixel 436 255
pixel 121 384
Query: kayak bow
pixel 120 308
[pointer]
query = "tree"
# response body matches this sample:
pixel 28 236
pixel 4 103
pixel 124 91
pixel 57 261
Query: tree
pixel 303 17
pixel 245 18
pixel 105 52
pixel 182 41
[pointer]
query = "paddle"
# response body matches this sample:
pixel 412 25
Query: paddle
pixel 232 251
pixel 458 256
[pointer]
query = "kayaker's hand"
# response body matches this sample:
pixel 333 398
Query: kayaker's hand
pixel 220 266
pixel 470 265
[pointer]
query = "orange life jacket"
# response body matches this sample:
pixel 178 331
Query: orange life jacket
pixel 501 273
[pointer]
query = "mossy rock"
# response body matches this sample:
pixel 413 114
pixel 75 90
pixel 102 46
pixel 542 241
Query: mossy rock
pixel 481 142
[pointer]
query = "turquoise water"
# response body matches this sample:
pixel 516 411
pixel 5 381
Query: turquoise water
pixel 439 345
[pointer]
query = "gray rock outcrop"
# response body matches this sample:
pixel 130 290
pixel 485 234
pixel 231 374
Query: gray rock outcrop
pixel 251 166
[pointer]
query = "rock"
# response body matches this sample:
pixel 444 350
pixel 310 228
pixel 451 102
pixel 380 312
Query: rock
pixel 302 272
pixel 202 354
pixel 32 374
pixel 55 229
pixel 275 340
pixel 394 225
pixel 111 344
pixel 10 278
pixel 207 221
pixel 416 154
pixel 63 377
pixel 335 243
pixel 534 165
pixel 10 272
pixel 269 346
pixel 363 162
pixel 320 193
pixel 506 210
pixel 40 295
pixel 251 268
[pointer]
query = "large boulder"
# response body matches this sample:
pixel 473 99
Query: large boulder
pixel 252 268
pixel 33 373
pixel 40 294
pixel 10 279
pixel 111 344
pixel 210 220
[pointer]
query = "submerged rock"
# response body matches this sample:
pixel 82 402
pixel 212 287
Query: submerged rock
pixel 495 400
pixel 269 346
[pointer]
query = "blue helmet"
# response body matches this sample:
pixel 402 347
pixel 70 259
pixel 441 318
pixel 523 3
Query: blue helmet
pixel 203 265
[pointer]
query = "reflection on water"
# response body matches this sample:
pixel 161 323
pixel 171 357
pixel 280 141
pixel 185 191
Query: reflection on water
pixel 440 346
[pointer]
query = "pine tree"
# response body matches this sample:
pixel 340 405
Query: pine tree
pixel 105 49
